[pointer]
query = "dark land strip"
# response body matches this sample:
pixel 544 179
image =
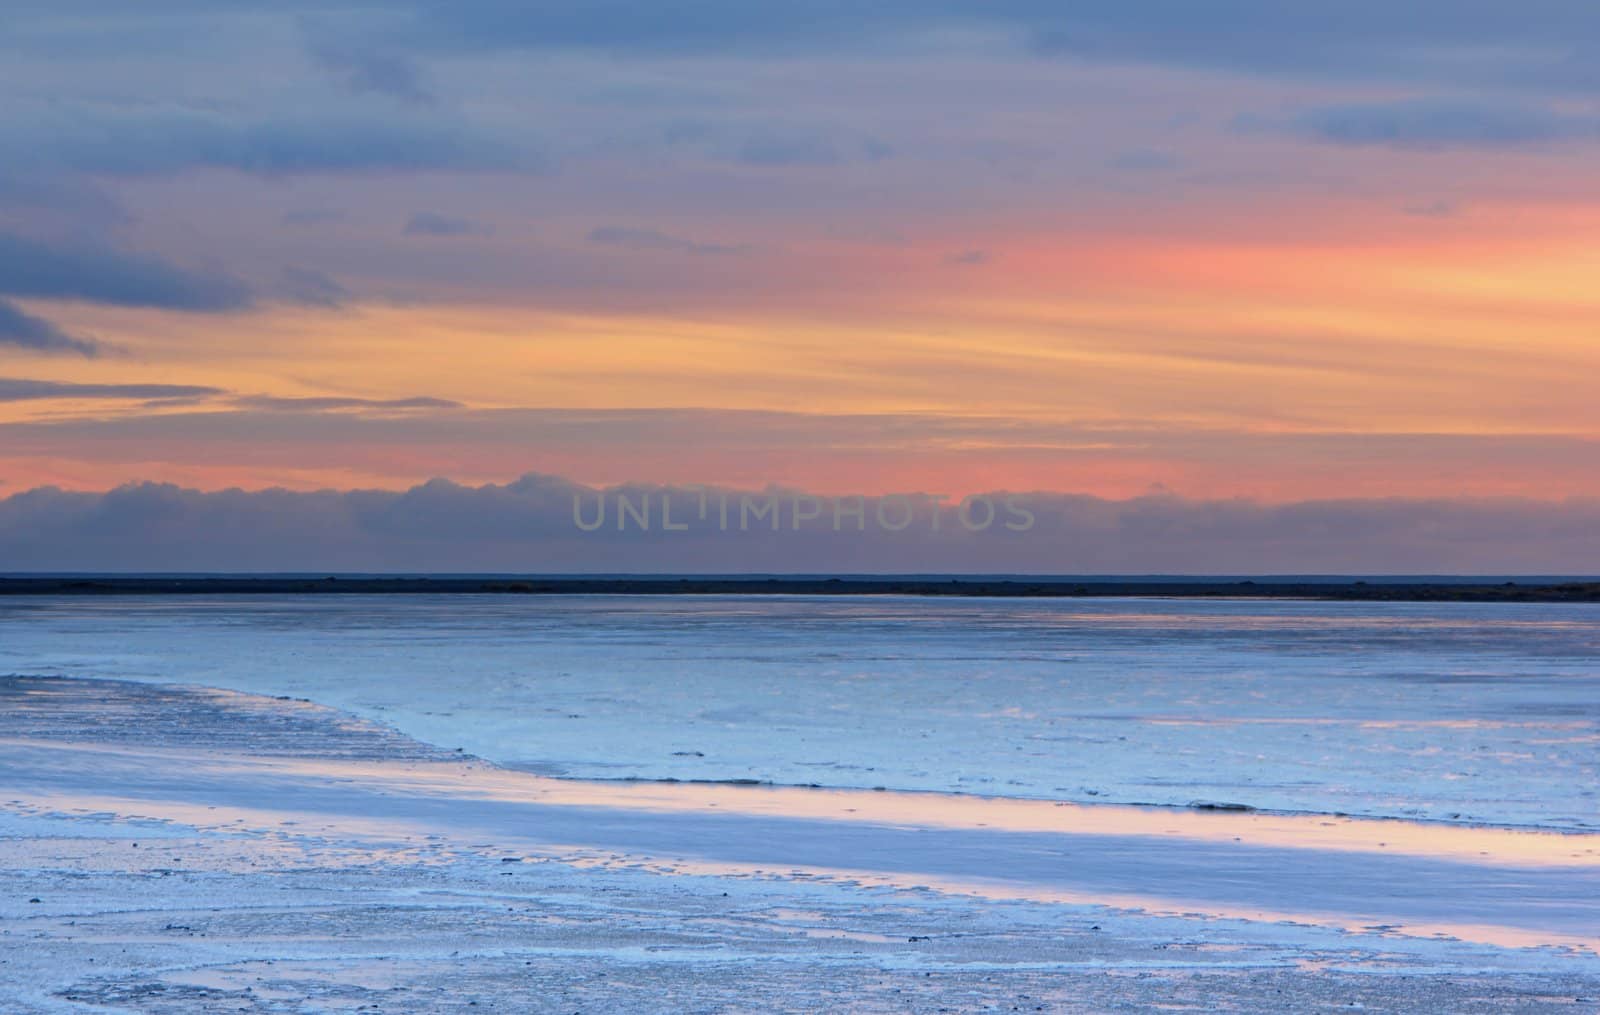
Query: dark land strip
pixel 1019 587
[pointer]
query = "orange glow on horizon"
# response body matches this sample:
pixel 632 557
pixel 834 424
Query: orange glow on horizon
pixel 1479 329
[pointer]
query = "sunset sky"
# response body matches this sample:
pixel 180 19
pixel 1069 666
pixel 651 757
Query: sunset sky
pixel 1242 248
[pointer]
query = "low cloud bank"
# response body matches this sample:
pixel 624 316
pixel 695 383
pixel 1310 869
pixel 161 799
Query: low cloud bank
pixel 548 524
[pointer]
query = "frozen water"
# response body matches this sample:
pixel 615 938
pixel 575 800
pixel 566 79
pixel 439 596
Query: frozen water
pixel 1462 712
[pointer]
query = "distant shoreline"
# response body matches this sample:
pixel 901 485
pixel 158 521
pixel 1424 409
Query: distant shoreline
pixel 1021 587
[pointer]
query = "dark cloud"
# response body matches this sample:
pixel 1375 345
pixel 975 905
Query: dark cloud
pixel 18 328
pixel 650 239
pixel 16 389
pixel 529 525
pixel 1540 44
pixel 32 268
pixel 427 223
pixel 362 67
pixel 312 288
pixel 153 139
pixel 780 151
pixel 1437 125
pixel 620 25
pixel 323 404
pixel 77 202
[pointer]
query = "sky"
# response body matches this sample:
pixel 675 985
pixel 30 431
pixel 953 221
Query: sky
pixel 1241 250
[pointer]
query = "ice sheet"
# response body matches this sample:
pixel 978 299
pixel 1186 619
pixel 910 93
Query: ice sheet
pixel 1454 712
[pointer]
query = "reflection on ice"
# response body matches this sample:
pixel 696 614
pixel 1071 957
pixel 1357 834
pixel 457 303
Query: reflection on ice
pixel 1495 886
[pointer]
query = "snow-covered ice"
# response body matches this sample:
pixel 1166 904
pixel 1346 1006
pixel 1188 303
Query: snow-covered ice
pixel 171 845
pixel 177 849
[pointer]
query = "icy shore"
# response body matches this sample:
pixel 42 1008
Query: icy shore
pixel 172 849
